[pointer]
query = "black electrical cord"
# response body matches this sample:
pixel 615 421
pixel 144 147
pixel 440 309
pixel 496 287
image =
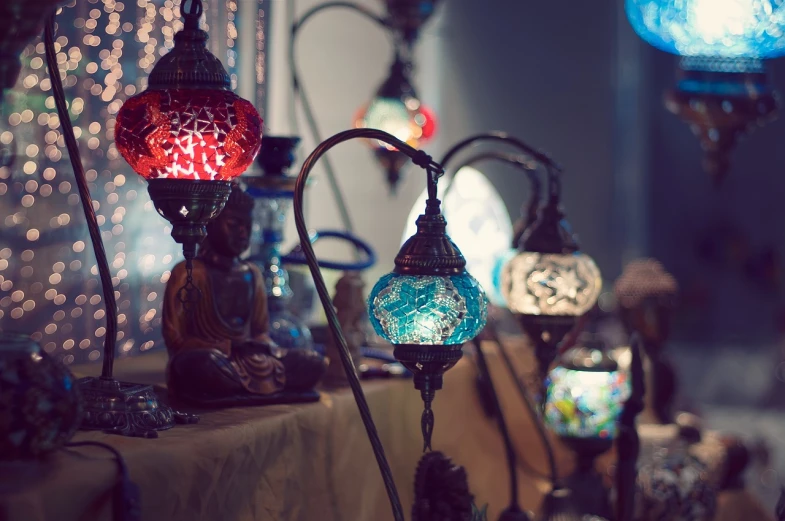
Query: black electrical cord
pixel 532 410
pixel 512 467
pixel 434 170
pixel 87 201
pixel 127 501
pixel 310 118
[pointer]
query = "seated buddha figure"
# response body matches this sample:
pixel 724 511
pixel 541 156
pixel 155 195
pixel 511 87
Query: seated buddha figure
pixel 220 353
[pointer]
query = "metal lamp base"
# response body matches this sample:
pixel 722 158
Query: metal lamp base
pixel 722 100
pixel 127 409
pixel 588 495
pixel 546 332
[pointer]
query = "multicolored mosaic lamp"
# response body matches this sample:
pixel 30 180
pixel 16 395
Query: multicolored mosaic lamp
pixel 397 110
pixel 584 398
pixel 724 90
pixel 188 135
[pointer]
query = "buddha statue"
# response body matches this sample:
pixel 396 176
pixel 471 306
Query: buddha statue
pixel 220 351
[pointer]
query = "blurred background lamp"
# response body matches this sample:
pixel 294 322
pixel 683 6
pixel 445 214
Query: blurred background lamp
pixel 397 110
pixel 723 90
pixel 549 284
pixel 584 397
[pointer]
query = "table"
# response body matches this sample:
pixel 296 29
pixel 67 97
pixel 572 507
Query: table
pixel 294 463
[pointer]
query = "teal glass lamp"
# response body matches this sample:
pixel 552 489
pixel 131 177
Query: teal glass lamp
pixel 723 89
pixel 429 305
pixel 584 397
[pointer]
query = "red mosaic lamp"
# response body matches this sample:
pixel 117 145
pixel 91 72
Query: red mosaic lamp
pixel 189 135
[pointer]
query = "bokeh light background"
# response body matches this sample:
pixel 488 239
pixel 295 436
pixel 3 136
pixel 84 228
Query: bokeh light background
pixel 49 286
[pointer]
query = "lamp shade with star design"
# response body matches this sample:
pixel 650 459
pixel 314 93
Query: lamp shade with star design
pixel 429 305
pixel 551 284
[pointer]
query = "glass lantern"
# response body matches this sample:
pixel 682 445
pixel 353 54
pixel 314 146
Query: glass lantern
pixel 712 28
pixel 428 306
pixel 724 90
pixel 397 110
pixel 583 400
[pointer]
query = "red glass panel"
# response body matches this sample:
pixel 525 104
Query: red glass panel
pixel 212 135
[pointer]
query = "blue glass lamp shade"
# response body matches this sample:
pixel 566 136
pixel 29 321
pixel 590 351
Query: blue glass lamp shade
pixel 478 222
pixel 427 309
pixel 723 91
pixel 752 29
pixel 585 404
pixel 428 306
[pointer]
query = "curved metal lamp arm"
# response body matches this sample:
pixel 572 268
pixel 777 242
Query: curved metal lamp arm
pixel 434 172
pixel 105 275
pixel 551 167
pixel 528 167
pixel 306 104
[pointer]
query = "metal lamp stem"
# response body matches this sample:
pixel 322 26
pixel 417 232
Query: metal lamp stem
pixel 421 159
pixel 299 89
pixel 110 339
pixel 553 170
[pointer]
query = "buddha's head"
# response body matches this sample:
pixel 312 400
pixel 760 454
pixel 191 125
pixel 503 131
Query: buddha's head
pixel 230 233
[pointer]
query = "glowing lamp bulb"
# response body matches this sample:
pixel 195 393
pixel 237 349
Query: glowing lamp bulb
pixel 711 28
pixel 554 284
pixel 397 110
pixel 195 134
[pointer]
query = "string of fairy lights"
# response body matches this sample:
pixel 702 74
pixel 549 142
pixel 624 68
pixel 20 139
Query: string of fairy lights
pixel 48 278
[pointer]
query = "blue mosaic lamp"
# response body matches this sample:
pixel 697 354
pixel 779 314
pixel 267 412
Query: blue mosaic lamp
pixel 429 305
pixel 723 89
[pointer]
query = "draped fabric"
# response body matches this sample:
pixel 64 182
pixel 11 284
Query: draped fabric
pixel 306 462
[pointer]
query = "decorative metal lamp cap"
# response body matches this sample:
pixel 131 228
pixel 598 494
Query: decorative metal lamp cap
pixel 430 251
pixel 551 233
pixel 590 355
pixel 397 84
pixel 190 65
